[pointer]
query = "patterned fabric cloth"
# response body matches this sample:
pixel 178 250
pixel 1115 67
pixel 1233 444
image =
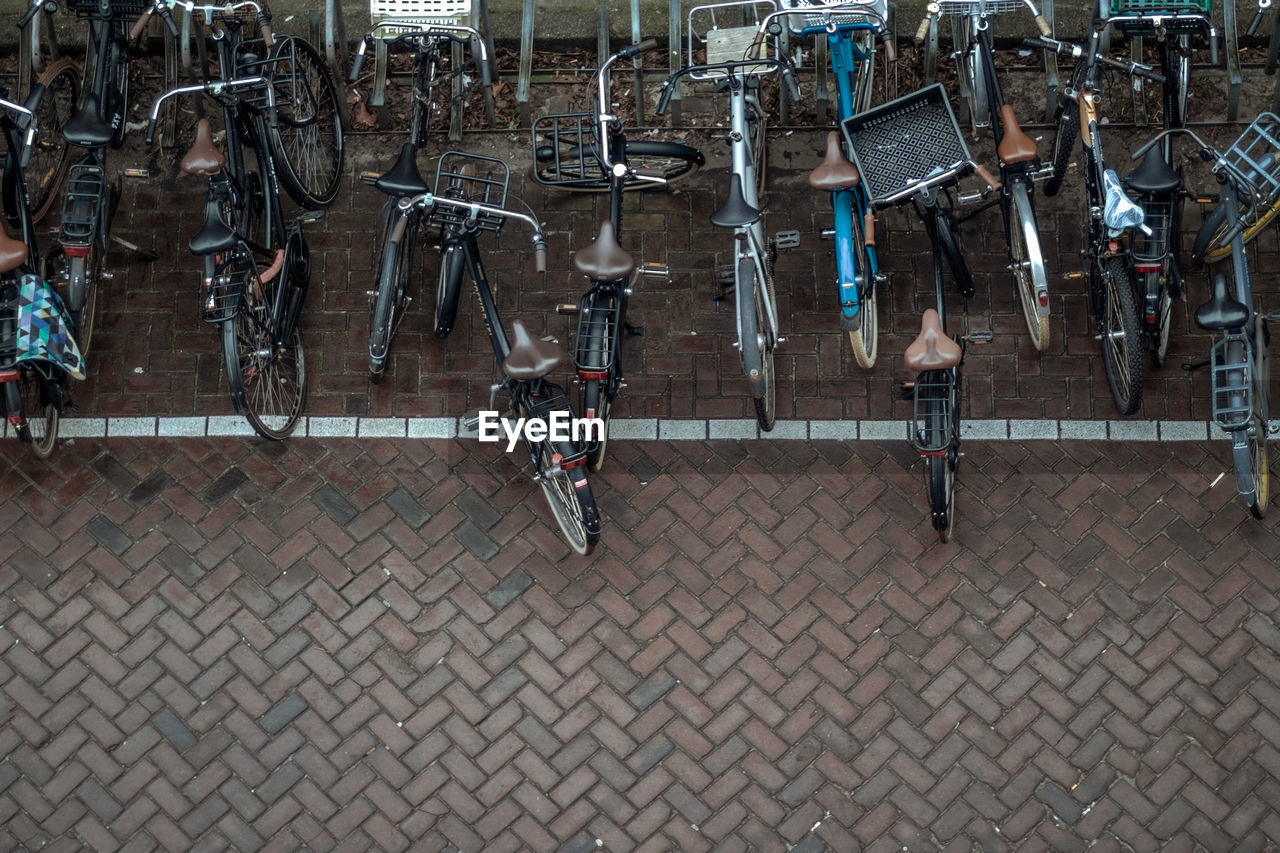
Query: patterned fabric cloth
pixel 43 328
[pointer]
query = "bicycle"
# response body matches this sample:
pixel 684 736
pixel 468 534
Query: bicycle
pixel 852 31
pixel 1239 361
pixel 736 58
pixel 911 150
pixel 390 299
pixel 1110 252
pixel 37 353
pixel 602 310
pixel 524 361
pixel 51 155
pixel 1016 153
pixel 256 263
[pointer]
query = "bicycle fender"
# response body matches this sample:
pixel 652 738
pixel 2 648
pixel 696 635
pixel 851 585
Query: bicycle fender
pixel 297 260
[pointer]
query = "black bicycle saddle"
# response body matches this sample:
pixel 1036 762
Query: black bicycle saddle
pixel 1222 311
pixel 736 213
pixel 403 178
pixel 1153 174
pixel 88 128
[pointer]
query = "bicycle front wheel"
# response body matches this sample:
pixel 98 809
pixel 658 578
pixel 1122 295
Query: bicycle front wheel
pixel 1257 440
pixel 51 155
pixel 84 280
pixel 388 305
pixel 1064 142
pixel 1120 326
pixel 1210 241
pixel 1027 262
pixel 453 263
pixel 941 480
pixel 307 143
pixel 572 504
pixel 267 381
pixel 757 348
pixel 863 329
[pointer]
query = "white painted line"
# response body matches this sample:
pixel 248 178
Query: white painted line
pixel 181 427
pixel 82 428
pixel 996 430
pixel 1183 430
pixel 738 428
pixel 682 430
pixel 635 429
pixel 131 427
pixel 382 428
pixel 833 430
pixel 1133 430
pixel 433 427
pixel 881 430
pixel 1033 430
pixel 331 427
pixel 1083 430
pixel 788 431
pixel 231 425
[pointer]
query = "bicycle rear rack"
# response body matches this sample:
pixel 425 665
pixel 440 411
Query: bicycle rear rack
pixel 8 325
pixel 472 177
pixel 931 430
pixel 1232 389
pixel 86 183
pixel 570 140
pixel 1157 214
pixel 220 297
pixel 596 323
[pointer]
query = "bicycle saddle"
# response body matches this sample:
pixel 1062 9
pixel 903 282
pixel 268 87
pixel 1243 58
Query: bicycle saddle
pixel 932 349
pixel 530 358
pixel 88 128
pixel 403 178
pixel 605 259
pixel 736 213
pixel 835 172
pixel 13 253
pixel 1015 146
pixel 1222 311
pixel 215 235
pixel 203 157
pixel 1153 174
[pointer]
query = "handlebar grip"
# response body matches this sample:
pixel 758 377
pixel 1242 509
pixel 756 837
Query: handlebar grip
pixel 664 97
pixel 29 14
pixel 986 177
pixel 135 32
pixel 488 68
pixel 165 15
pixel 540 256
pixel 647 44
pixel 355 66
pixel 793 86
pixel 33 103
pixel 1213 50
pixel 890 46
pixel 1043 25
pixel 1153 76
pixel 151 130
pixel 268 39
pixel 1253 24
pixel 923 29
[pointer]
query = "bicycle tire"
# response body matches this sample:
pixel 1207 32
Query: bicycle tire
pixel 572 504
pixel 594 351
pixel 1259 458
pixel 84 280
pixel 307 142
pixel 453 262
pixel 757 354
pixel 946 236
pixel 864 331
pixel 940 470
pixel 40 412
pixel 1160 352
pixel 1209 245
pixel 1027 261
pixel 1064 143
pixel 388 305
pixel 268 383
pixel 51 156
pixel 757 127
pixel 1120 324
pixel 672 161
pixel 595 396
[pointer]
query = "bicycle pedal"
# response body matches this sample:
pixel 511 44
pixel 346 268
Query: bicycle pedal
pixel 907 390
pixel 1073 275
pixel 969 197
pixel 655 269
pixel 724 278
pixel 827 234
pixel 471 423
pixel 136 173
pixel 369 178
pixel 312 216
pixel 789 239
pixel 1189 366
pixel 979 337
pixel 1273 316
pixel 635 331
pixel 568 308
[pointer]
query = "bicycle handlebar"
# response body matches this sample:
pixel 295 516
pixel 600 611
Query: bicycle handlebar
pixel 36 5
pixel 602 116
pixel 669 85
pixel 1263 6
pixel 215 88
pixel 446 31
pixel 934 10
pixel 477 207
pixel 1075 51
pixel 26 120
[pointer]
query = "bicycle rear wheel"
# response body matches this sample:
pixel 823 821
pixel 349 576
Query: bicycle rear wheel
pixel 268 382
pixel 864 328
pixel 453 263
pixel 757 348
pixel 572 504
pixel 942 415
pixel 51 155
pixel 38 407
pixel 307 143
pixel 1210 241
pixel 84 280
pixel 1027 262
pixel 1064 143
pixel 1258 460
pixel 1120 325
pixel 389 302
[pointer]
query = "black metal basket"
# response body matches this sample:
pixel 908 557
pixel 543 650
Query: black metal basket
pixel 8 325
pixel 567 143
pixel 117 9
pixel 906 141
pixel 470 177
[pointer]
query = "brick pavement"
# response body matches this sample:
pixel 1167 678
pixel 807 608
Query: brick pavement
pixel 212 644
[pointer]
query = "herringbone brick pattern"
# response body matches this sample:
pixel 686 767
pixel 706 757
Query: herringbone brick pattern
pixel 225 644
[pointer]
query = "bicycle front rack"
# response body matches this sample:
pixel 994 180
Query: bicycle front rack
pixel 932 415
pixel 472 177
pixel 569 144
pixel 1232 390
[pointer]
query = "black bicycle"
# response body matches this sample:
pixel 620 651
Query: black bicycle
pixel 433 70
pixel 256 263
pixel 524 362
pixel 37 352
pixel 51 154
pixel 613 272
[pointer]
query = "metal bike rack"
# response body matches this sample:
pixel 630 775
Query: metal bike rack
pixel 30 62
pixel 526 62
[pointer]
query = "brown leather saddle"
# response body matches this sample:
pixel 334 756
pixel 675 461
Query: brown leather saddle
pixel 604 260
pixel 203 157
pixel 932 349
pixel 835 172
pixel 1015 146
pixel 530 358
pixel 13 253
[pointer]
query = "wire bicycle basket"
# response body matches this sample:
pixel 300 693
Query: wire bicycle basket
pixel 119 10
pixel 470 177
pixel 877 12
pixel 570 139
pixel 933 415
pixel 966 8
pixel 905 143
pixel 1254 158
pixel 1139 17
pixel 724 31
pixel 427 12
